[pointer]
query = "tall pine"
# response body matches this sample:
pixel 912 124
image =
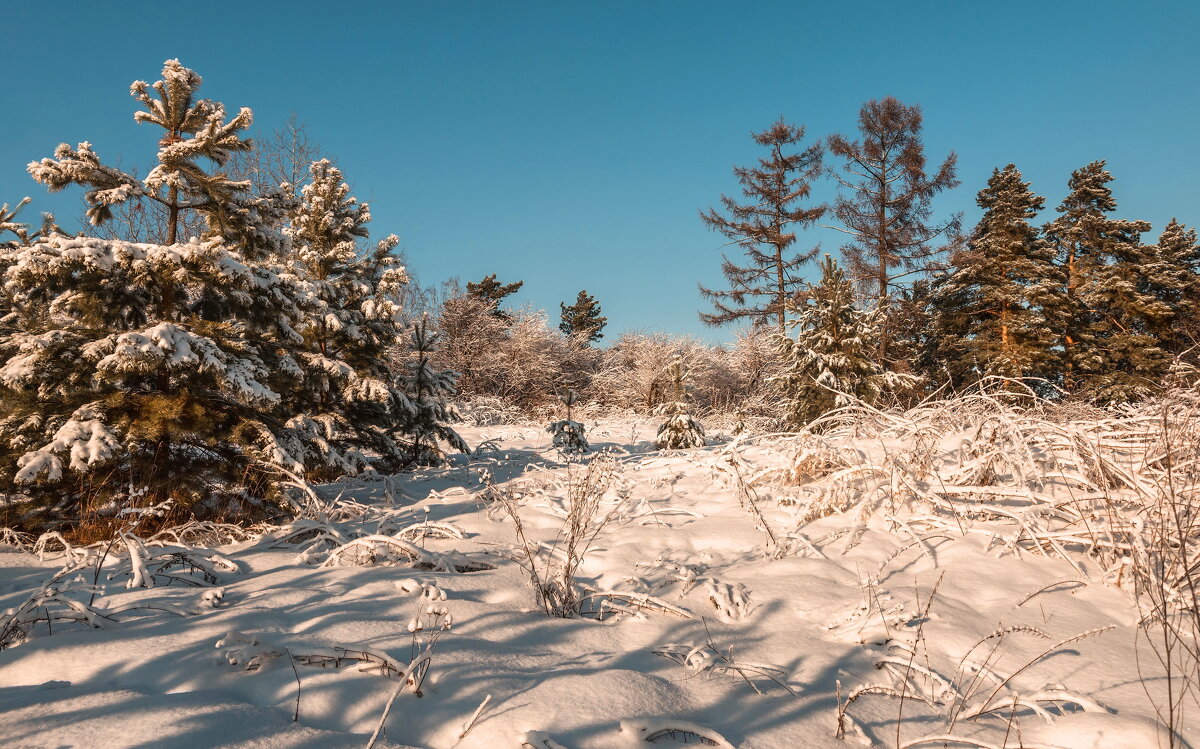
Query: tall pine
pixel 1108 349
pixel 995 309
pixel 764 225
pixel 886 206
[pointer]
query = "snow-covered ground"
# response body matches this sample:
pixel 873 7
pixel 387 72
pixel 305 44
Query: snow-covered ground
pixel 720 611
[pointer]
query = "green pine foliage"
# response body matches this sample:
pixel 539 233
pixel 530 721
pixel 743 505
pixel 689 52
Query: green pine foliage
pixel 1107 348
pixel 142 369
pixel 583 318
pixel 491 292
pixel 208 370
pixel 428 390
pixel 997 307
pixel 1172 278
pixel 830 361
pixel 347 406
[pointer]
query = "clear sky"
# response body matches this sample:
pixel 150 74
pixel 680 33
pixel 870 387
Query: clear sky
pixel 571 144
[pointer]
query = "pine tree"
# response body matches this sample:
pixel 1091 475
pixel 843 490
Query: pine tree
pixel 1172 277
pixel 346 404
pixel 145 370
pixel 887 206
pixel 996 307
pixel 681 430
pixel 764 226
pixel 583 318
pixel 21 236
pixel 428 391
pixel 492 292
pixel 914 343
pixel 830 361
pixel 1107 348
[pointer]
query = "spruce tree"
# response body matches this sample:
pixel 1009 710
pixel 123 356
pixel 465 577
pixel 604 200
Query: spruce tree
pixel 428 392
pixel 996 306
pixel 346 403
pixel 886 208
pixel 1172 277
pixel 681 430
pixel 914 342
pixel 582 319
pixel 764 225
pixel 1107 348
pixel 492 292
pixel 144 370
pixel 15 234
pixel 830 361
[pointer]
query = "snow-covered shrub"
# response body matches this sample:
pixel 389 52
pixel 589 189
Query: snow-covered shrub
pixel 488 410
pixel 568 434
pixel 680 430
pixel 516 358
pixel 635 371
pixel 830 361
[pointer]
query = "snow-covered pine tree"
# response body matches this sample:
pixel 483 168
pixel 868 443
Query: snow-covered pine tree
pixel 1173 278
pixel 346 404
pixel 428 392
pixel 568 434
pixel 995 309
pixel 1107 349
pixel 583 319
pixel 681 430
pixel 765 227
pixel 145 370
pixel 831 360
pixel 13 235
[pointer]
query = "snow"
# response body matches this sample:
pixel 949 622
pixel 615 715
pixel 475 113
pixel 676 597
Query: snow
pixel 748 648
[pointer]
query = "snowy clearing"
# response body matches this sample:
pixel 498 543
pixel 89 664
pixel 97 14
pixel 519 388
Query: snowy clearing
pixel 894 582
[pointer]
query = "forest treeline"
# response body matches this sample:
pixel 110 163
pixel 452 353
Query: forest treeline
pixel 224 330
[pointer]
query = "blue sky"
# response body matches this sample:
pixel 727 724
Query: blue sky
pixel 572 144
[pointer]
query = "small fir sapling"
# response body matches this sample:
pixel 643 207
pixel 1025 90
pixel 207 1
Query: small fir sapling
pixel 831 361
pixel 568 433
pixel 680 430
pixel 428 407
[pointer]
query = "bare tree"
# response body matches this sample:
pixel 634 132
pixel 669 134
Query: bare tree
pixel 886 203
pixel 764 227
